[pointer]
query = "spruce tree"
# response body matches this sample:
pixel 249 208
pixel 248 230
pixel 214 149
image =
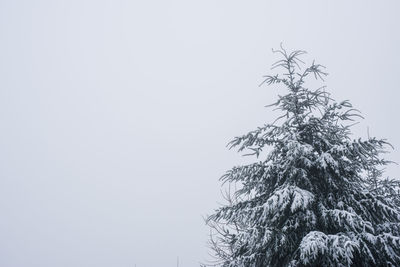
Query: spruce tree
pixel 309 199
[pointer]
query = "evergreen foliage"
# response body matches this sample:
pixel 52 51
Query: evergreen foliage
pixel 315 198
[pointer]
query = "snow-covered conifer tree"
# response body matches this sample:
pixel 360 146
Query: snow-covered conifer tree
pixel 310 199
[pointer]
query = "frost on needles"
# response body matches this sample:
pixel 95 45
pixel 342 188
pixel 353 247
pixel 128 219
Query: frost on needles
pixel 316 198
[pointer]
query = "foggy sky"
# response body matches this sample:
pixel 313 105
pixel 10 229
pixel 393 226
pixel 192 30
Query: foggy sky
pixel 114 115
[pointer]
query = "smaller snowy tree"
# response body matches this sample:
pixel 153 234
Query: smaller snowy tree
pixel 388 188
pixel 314 198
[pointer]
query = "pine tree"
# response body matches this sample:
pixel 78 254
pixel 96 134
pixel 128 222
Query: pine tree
pixel 309 199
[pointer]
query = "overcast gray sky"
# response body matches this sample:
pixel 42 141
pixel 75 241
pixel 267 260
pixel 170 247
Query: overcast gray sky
pixel 114 115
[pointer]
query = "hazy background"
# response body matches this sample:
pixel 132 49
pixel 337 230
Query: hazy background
pixel 114 115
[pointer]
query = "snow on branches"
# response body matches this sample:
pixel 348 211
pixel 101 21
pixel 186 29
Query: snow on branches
pixel 316 198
